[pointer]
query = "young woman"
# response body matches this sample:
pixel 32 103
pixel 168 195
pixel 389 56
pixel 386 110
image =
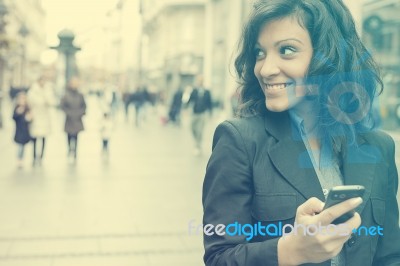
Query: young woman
pixel 307 86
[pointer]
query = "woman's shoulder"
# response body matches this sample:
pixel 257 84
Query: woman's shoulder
pixel 379 139
pixel 243 124
pixel 248 128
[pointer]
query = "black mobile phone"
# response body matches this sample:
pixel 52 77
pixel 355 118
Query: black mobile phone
pixel 341 193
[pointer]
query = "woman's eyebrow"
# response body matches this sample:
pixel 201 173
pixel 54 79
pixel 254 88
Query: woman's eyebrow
pixel 290 39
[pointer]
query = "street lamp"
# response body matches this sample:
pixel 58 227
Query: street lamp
pixel 3 46
pixel 68 49
pixel 23 32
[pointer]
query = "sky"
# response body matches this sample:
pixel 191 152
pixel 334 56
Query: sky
pixel 81 16
pixel 86 18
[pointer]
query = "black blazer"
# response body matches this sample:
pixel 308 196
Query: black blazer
pixel 259 171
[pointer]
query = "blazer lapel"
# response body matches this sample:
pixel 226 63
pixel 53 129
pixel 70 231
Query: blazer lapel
pixel 290 157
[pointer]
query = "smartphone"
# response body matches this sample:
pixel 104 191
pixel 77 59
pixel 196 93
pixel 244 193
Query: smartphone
pixel 341 193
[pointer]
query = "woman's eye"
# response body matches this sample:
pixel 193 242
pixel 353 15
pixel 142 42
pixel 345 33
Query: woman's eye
pixel 259 53
pixel 287 50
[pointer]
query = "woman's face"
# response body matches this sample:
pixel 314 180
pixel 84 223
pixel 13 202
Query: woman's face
pixel 283 53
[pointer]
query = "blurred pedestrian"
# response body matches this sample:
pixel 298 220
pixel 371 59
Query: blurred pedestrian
pixel 109 99
pixel 106 128
pixel 40 100
pixel 126 95
pixel 22 117
pixel 176 106
pixel 74 105
pixel 139 99
pixel 200 99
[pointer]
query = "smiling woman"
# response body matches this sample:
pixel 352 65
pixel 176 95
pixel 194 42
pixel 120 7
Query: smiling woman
pixel 307 84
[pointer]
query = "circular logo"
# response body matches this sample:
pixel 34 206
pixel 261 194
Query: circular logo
pixel 359 94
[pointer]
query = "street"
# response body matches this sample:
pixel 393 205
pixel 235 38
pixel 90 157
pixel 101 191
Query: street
pixel 131 209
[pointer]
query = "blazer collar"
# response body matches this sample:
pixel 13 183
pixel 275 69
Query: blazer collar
pixel 290 157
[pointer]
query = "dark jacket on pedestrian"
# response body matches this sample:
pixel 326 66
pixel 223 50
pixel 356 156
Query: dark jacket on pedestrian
pixel 139 98
pixel 22 135
pixel 201 100
pixel 176 105
pixel 74 106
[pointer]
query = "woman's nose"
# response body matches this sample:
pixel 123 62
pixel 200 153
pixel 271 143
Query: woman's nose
pixel 269 67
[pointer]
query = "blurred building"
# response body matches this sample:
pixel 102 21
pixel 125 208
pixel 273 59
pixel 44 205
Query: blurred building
pixel 173 43
pixel 25 30
pixel 183 38
pixel 381 34
pixel 227 20
pixel 120 37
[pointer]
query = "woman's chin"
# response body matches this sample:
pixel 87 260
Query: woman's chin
pixel 276 107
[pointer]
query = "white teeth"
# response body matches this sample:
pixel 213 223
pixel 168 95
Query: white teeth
pixel 277 86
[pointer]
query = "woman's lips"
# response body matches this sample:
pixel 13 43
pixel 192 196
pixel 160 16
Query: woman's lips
pixel 275 89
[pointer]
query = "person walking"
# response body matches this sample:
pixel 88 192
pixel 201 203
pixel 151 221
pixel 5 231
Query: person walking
pixel 176 106
pixel 40 100
pixel 139 100
pixel 74 105
pixel 22 117
pixel 200 99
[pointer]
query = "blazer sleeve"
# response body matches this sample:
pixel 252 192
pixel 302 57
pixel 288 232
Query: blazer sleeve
pixel 227 198
pixel 388 252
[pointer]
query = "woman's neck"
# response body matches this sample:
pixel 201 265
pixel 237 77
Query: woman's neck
pixel 308 111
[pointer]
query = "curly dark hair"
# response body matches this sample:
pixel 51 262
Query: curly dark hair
pixel 346 75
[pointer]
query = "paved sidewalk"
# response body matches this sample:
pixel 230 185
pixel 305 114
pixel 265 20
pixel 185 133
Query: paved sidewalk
pixel 132 209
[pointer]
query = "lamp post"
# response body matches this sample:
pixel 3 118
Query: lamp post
pixel 23 32
pixel 68 49
pixel 3 46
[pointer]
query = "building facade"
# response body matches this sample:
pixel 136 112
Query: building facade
pixel 381 34
pixel 173 44
pixel 25 30
pixel 182 39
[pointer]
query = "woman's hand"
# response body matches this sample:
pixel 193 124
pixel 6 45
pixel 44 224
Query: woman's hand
pixel 314 242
